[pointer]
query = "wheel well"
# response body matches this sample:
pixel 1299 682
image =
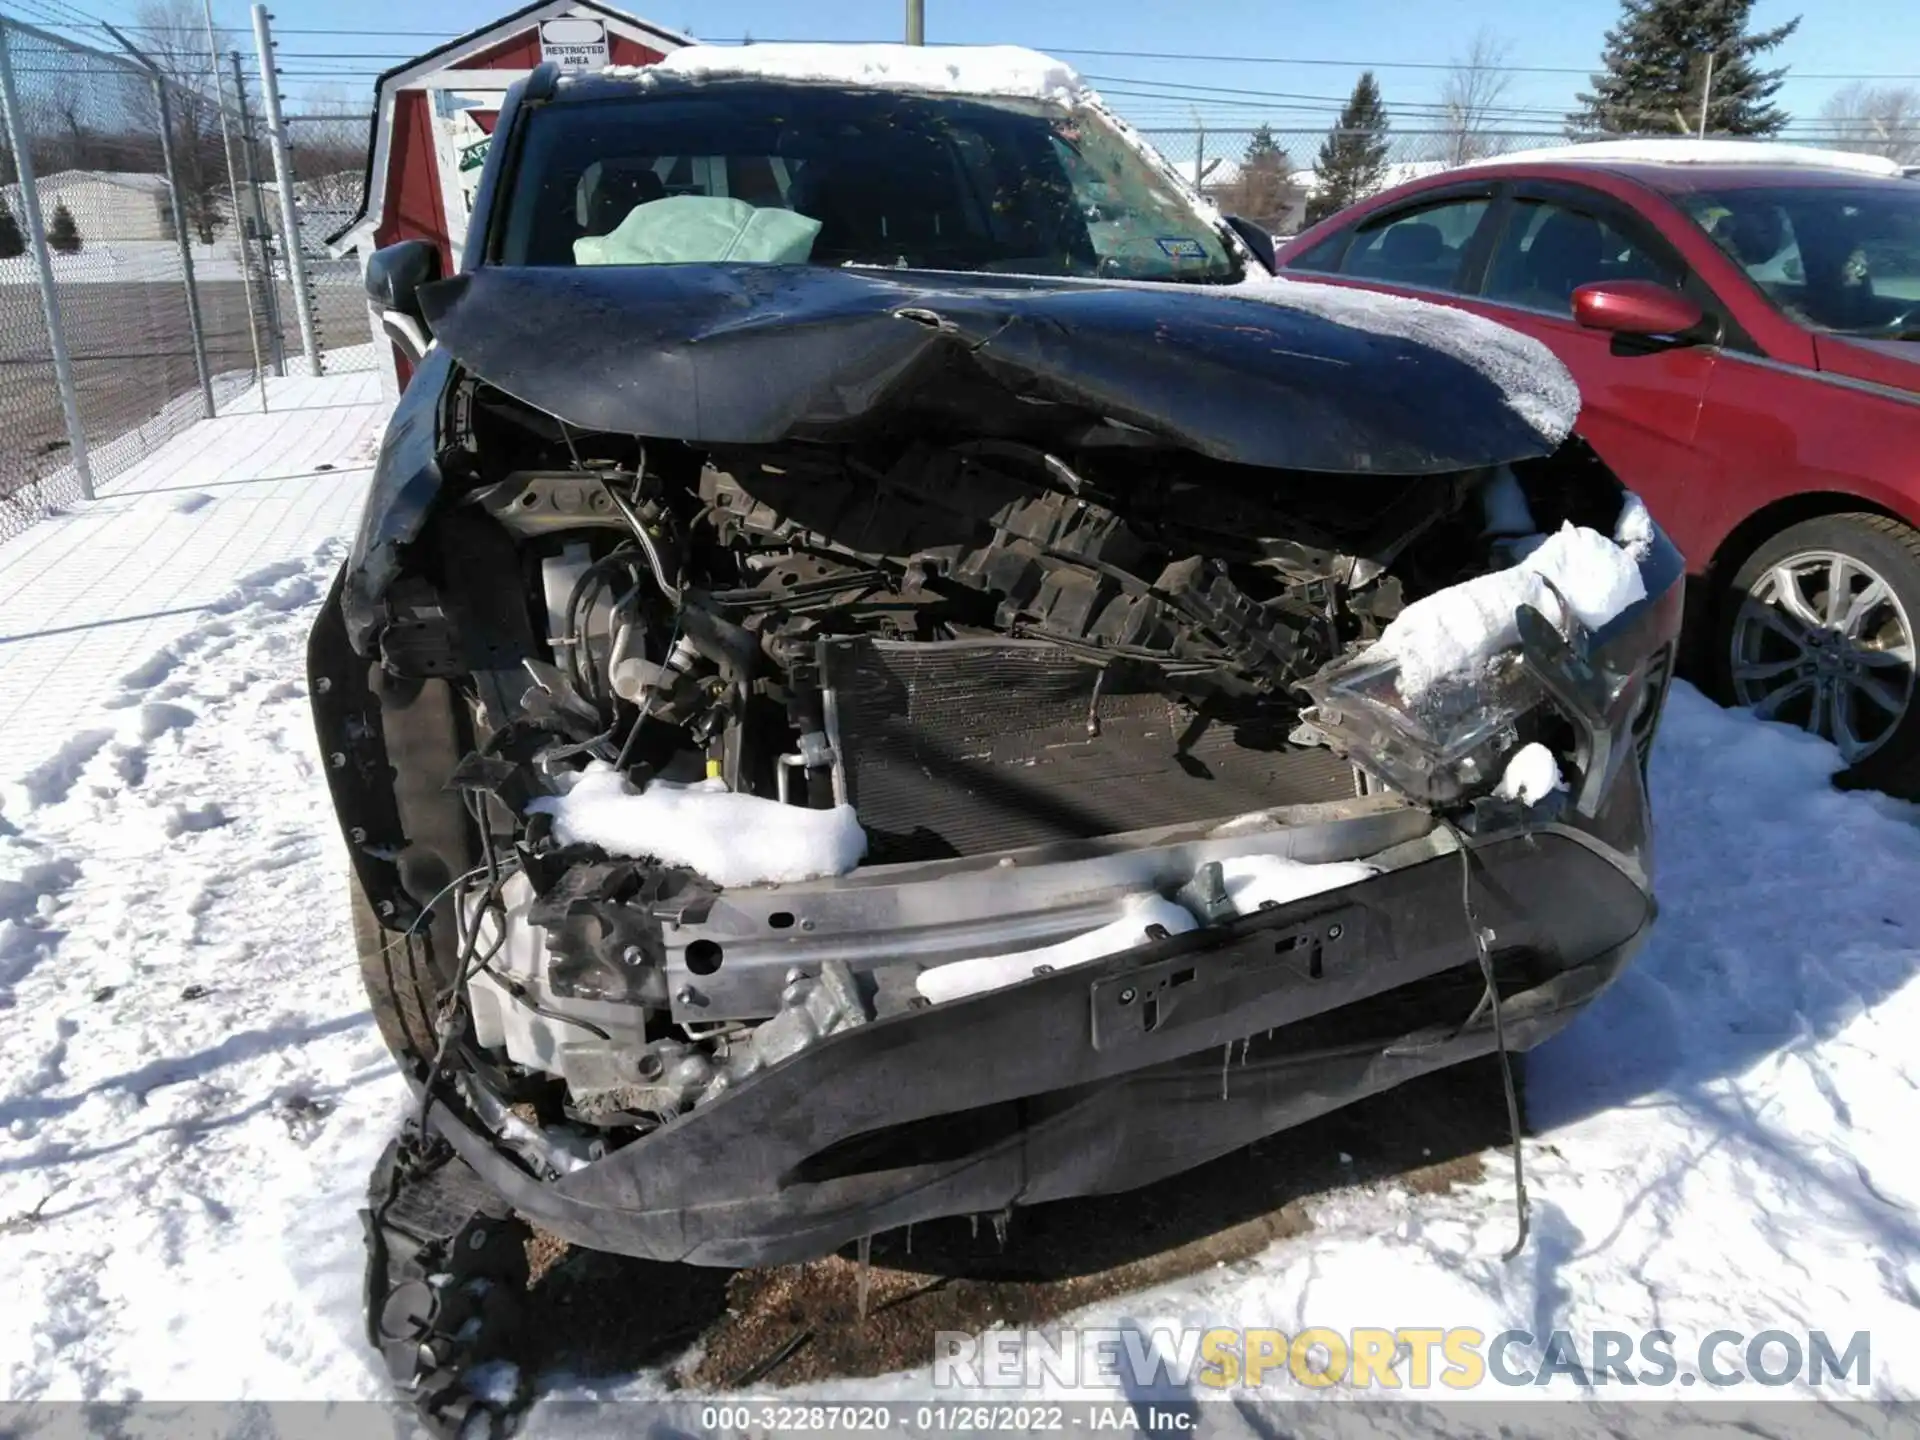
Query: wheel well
pixel 1754 531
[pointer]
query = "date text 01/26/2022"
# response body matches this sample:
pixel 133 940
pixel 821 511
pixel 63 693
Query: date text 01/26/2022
pixel 959 1418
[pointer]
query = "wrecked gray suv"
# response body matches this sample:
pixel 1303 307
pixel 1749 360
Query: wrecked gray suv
pixel 883 643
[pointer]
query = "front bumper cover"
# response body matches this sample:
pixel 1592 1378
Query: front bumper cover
pixel 1110 1075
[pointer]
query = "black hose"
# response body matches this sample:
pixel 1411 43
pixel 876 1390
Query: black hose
pixel 583 679
pixel 1491 1000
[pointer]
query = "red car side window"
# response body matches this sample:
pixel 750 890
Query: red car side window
pixel 1549 250
pixel 1420 247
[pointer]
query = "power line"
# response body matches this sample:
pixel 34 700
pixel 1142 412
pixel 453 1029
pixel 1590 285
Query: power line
pixel 1307 101
pixel 1586 70
pixel 384 33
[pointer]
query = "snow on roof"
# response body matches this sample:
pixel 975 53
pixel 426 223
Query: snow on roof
pixel 999 70
pixel 1679 150
pixel 1396 174
pixel 1227 170
pixel 125 179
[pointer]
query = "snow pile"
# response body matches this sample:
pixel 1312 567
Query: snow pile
pixel 1531 775
pixel 989 972
pixel 1453 632
pixel 1255 880
pixel 192 1090
pixel 1680 150
pixel 1009 71
pixel 1538 388
pixel 731 839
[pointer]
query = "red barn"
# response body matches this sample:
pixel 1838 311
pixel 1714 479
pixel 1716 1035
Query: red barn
pixel 434 116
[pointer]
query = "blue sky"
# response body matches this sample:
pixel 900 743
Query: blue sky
pixel 1836 38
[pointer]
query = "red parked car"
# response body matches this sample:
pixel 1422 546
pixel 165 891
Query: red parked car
pixel 1744 322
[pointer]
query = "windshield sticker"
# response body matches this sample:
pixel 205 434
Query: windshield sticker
pixel 1181 247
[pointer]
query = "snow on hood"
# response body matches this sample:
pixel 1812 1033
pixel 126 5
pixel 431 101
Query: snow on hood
pixel 1678 151
pixel 1450 634
pixel 729 838
pixel 1538 388
pixel 1008 71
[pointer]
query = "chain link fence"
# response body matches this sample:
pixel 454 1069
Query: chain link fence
pixel 329 164
pixel 146 281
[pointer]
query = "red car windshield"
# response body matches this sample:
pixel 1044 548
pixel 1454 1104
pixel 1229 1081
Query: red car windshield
pixel 1841 258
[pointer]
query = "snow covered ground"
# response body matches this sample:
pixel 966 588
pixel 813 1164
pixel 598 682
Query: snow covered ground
pixel 114 262
pixel 191 1092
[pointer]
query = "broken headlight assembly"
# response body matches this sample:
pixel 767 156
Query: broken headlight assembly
pixel 1446 740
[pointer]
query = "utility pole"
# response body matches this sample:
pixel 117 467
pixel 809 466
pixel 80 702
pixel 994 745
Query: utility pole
pixel 233 193
pixel 263 231
pixel 916 22
pixel 283 172
pixel 1706 95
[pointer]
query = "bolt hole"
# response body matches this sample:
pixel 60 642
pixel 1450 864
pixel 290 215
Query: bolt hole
pixel 781 920
pixel 649 1066
pixel 703 957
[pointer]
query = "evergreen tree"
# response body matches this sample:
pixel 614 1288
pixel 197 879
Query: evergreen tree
pixel 1353 157
pixel 1656 71
pixel 62 234
pixel 1261 146
pixel 1263 190
pixel 12 242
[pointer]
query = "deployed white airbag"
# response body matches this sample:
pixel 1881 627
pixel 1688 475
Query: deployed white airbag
pixel 683 229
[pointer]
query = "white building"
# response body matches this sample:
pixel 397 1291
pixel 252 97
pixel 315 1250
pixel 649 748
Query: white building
pixel 106 205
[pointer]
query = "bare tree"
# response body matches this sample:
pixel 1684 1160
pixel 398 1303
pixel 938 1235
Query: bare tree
pixel 1472 91
pixel 172 34
pixel 1262 188
pixel 328 131
pixel 1876 120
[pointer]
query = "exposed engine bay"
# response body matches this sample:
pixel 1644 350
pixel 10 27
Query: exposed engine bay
pixel 742 724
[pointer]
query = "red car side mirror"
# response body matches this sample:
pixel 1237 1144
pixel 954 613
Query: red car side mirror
pixel 1635 307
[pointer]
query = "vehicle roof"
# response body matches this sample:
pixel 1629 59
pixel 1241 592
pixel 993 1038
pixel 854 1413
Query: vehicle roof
pixel 1679 164
pixel 987 71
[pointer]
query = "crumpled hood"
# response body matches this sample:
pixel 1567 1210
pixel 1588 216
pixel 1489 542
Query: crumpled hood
pixel 1278 373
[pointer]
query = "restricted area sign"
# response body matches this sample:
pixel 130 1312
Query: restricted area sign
pixel 574 43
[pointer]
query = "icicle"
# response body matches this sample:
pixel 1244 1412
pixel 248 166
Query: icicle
pixel 974 1222
pixel 865 1251
pixel 1226 1059
pixel 909 1237
pixel 1000 1222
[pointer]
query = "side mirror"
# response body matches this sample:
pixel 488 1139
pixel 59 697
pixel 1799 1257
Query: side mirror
pixel 1637 308
pixel 1255 239
pixel 396 272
